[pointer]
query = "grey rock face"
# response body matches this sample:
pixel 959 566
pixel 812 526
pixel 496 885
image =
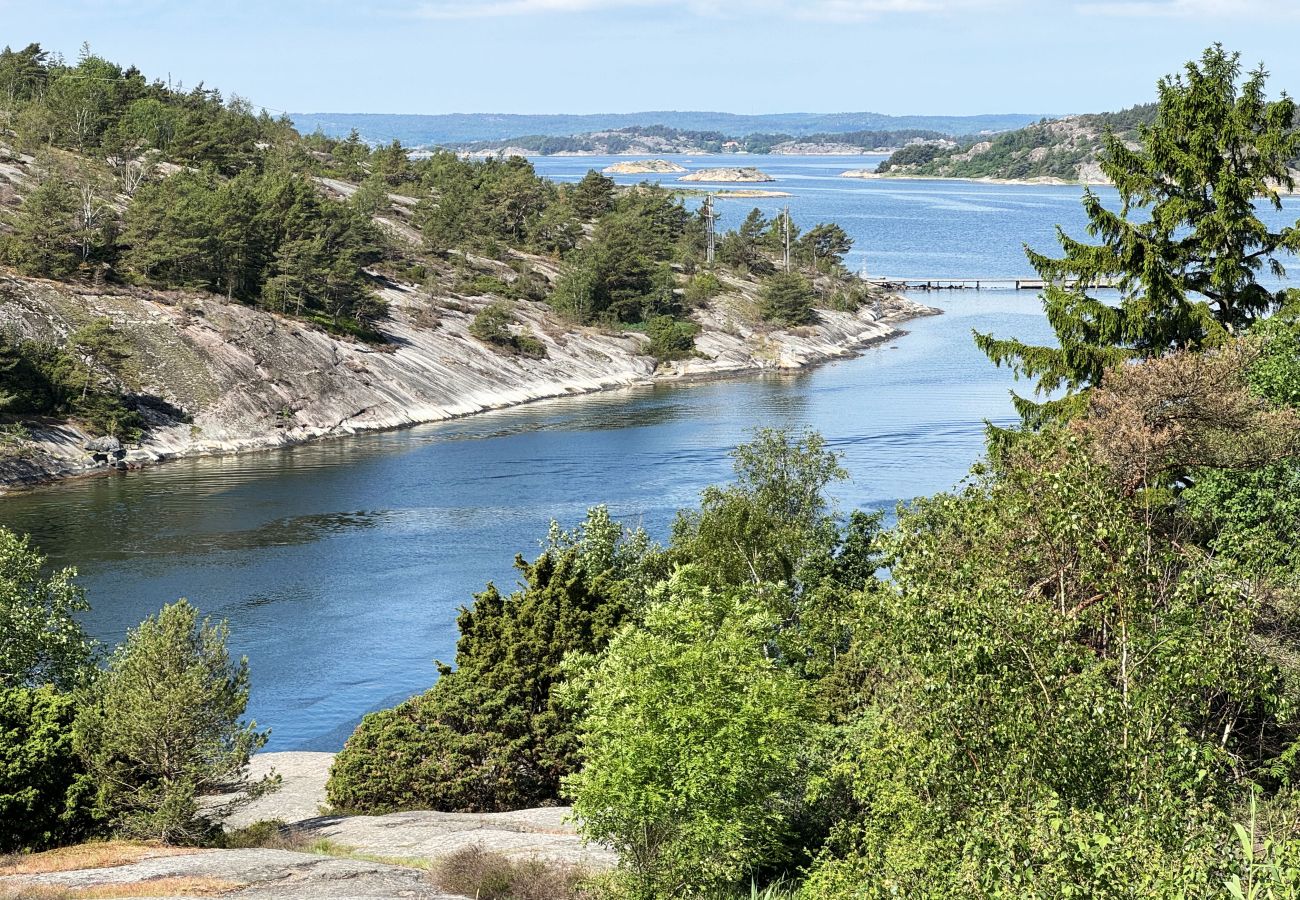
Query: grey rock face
pixel 260 875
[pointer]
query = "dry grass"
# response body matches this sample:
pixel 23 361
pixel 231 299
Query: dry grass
pixel 94 855
pixel 485 875
pixel 156 887
pixel 180 886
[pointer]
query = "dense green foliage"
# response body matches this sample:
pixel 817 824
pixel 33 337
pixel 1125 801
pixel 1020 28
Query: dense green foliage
pixel 100 108
pixel 693 741
pixel 671 338
pixel 44 657
pixel 162 728
pixel 44 379
pixel 267 237
pixel 1253 512
pixel 492 733
pixel 133 748
pixel 242 218
pixel 623 274
pixel 1065 698
pixel 480 203
pixel 44 791
pixel 1185 249
pixel 41 641
pixel 238 221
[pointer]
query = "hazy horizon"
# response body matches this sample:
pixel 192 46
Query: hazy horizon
pixel 701 110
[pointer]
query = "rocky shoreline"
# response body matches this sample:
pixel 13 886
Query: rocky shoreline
pixel 250 380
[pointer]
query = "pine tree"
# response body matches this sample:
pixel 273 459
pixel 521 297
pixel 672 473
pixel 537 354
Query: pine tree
pixel 164 730
pixel 593 196
pixel 45 240
pixel 1186 246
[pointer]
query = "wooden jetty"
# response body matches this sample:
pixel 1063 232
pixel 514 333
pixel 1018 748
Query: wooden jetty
pixel 959 284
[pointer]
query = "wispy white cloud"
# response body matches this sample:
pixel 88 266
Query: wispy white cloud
pixel 1193 9
pixel 824 10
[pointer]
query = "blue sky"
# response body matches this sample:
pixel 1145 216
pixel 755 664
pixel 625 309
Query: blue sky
pixel 747 56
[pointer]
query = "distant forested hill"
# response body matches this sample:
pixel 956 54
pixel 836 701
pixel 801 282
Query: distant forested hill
pixel 461 128
pixel 1064 149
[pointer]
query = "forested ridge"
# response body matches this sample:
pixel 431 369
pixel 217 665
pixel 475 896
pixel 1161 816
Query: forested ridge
pixel 1065 149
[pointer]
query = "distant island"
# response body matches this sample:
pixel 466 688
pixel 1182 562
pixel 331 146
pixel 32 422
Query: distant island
pixel 652 140
pixel 747 174
pixel 751 193
pixel 457 129
pixel 645 167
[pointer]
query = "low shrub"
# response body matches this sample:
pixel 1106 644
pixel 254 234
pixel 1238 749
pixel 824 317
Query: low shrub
pixel 485 875
pixel 492 325
pixel 671 338
pixel 494 734
pixel 702 288
pixel 266 834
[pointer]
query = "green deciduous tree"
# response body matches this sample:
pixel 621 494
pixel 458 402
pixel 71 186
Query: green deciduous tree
pixel 163 730
pixel 41 641
pixel 1187 245
pixel 692 742
pixel 772 519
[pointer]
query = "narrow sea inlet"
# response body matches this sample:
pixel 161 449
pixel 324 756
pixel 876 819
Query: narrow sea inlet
pixel 341 565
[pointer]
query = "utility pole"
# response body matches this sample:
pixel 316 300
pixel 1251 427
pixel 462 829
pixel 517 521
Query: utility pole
pixel 709 217
pixel 786 227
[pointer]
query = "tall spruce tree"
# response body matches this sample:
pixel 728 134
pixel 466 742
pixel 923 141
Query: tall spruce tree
pixel 1185 248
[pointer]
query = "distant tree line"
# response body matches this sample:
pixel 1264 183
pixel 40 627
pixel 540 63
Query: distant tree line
pixel 622 140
